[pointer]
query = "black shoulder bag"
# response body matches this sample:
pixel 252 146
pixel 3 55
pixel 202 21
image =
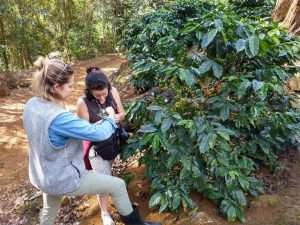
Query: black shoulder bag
pixel 111 147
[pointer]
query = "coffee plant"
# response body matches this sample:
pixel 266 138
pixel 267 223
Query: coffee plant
pixel 253 8
pixel 215 108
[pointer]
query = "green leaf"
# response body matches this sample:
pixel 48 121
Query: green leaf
pixel 148 128
pixel 171 69
pixel 186 163
pixel 241 215
pixel 158 117
pixel 156 143
pixel 187 76
pixel 154 108
pixel 263 92
pixel 196 171
pixel 186 123
pixel 217 70
pixel 247 50
pixel 224 205
pixel 256 85
pixel 229 210
pixel 240 197
pixel 219 24
pixel 155 199
pixel 166 124
pixel 254 45
pixel 281 73
pixel 204 144
pixel 244 183
pixel 243 88
pixel 190 27
pixel 176 201
pixel 147 138
pixel 199 35
pixel 184 174
pixel 233 174
pixel 231 213
pixel 189 202
pixel 163 204
pixel 240 45
pixel 172 160
pixel 177 116
pixel 205 67
pixel 224 112
pixel 212 140
pixel 208 38
pixel 265 146
pixel 224 135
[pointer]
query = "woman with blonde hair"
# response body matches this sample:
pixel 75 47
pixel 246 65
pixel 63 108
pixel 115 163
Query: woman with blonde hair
pixel 55 139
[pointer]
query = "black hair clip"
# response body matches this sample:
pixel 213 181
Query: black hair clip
pixel 92 68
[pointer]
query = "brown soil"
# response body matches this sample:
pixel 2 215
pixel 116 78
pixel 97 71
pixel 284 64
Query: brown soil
pixel 280 206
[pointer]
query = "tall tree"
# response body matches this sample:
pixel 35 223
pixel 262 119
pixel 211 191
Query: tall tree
pixel 78 28
pixel 287 12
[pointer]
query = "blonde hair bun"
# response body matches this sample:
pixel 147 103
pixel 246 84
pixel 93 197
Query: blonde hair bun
pixel 54 55
pixel 40 62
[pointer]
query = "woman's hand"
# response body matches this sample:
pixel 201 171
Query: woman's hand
pixel 110 111
pixel 118 118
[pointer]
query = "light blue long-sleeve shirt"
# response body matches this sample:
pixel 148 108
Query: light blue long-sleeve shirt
pixel 67 125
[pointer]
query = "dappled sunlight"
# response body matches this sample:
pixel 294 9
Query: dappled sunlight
pixel 13 107
pixel 13 142
pixel 12 137
pixel 8 141
pixel 81 83
pixel 108 71
pixel 8 118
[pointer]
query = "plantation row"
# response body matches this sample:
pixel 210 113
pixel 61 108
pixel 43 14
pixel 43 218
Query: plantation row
pixel 217 109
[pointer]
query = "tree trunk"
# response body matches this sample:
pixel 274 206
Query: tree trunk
pixel 3 42
pixel 287 12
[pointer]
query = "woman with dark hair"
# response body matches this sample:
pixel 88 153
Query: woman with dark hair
pixel 99 94
pixel 55 145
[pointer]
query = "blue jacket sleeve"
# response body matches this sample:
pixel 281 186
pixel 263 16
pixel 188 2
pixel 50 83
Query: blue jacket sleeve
pixel 67 125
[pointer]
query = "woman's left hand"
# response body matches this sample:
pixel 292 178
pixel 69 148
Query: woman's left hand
pixel 110 111
pixel 118 118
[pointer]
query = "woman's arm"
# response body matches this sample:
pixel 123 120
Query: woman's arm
pixel 67 125
pixel 120 116
pixel 82 110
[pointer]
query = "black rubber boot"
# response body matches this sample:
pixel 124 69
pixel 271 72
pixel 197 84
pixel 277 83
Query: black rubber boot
pixel 135 219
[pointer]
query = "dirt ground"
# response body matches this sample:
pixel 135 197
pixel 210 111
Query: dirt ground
pixel 20 203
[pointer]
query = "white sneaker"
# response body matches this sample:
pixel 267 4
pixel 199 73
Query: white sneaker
pixel 106 219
